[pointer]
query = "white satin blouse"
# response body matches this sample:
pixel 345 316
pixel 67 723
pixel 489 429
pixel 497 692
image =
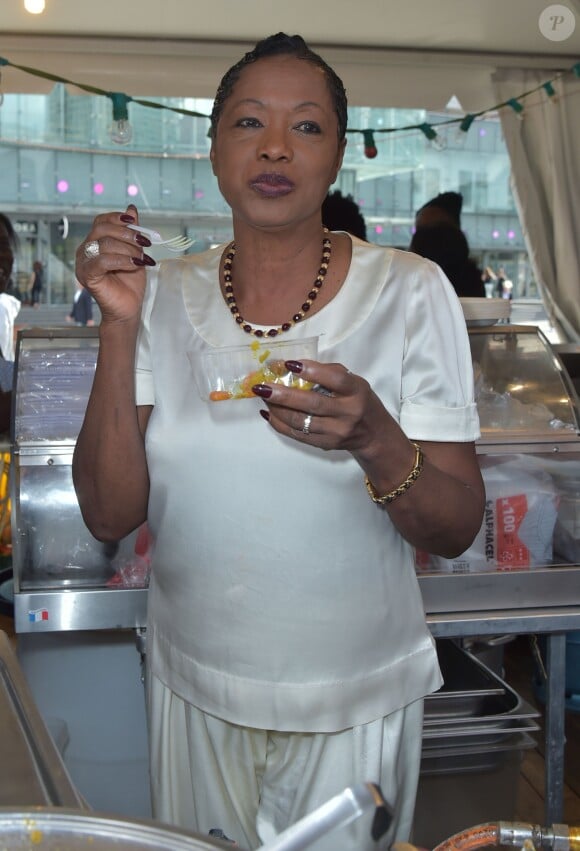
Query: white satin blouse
pixel 281 597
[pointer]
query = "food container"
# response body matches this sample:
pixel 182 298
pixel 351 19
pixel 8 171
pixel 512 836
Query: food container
pixel 231 372
pixel 474 706
pixel 63 829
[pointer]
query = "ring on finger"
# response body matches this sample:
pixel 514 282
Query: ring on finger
pixel 306 424
pixel 92 249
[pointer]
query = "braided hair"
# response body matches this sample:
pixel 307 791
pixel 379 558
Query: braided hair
pixel 281 45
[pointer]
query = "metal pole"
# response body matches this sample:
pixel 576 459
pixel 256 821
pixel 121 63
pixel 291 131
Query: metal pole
pixel 555 734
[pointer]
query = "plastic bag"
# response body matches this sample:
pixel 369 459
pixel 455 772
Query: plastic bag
pixel 517 532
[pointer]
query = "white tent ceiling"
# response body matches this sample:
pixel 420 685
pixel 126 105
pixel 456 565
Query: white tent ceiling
pixel 414 53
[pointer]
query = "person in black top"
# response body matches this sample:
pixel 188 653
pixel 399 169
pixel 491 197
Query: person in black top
pixel 447 246
pixel 445 209
pixel 341 212
pixel 36 282
pixel 82 307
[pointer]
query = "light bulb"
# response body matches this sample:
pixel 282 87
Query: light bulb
pixel 35 7
pixel 121 131
pixel 463 129
pixel 517 108
pixel 438 142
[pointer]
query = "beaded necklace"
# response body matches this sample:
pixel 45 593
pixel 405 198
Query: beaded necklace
pixel 273 332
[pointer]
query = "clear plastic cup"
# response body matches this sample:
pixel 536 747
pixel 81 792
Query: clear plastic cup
pixel 231 372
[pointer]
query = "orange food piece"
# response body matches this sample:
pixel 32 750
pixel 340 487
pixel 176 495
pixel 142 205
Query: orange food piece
pixel 246 384
pixel 220 395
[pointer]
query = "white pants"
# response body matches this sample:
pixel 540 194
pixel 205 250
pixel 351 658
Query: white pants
pixel 252 784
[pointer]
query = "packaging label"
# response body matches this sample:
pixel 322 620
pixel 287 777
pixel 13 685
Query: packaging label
pixel 510 551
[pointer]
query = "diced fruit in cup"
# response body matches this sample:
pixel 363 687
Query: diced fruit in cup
pixel 273 372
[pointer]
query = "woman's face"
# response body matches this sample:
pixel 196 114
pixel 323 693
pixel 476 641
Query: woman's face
pixel 276 149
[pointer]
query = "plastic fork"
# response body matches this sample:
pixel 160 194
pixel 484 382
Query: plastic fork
pixel 175 243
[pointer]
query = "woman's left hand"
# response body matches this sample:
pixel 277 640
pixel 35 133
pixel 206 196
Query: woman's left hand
pixel 346 414
pixel 354 419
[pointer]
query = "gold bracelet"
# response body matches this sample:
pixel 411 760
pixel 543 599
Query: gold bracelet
pixel 404 486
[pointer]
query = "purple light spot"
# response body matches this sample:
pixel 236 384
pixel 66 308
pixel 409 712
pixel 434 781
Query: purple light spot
pixel 378 228
pixel 132 190
pixel 495 234
pixel 62 186
pixel 511 234
pixel 482 131
pixel 98 188
pixel 199 194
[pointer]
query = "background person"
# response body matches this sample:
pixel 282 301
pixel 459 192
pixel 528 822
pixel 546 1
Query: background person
pixel 489 279
pixel 341 212
pixel 82 307
pixel 447 246
pixel 36 283
pixel 444 208
pixel 9 308
pixel 288 654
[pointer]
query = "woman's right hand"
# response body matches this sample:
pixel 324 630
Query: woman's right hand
pixel 115 276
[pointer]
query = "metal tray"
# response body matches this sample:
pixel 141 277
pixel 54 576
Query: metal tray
pixel 474 759
pixel 479 736
pixel 462 718
pixel 471 692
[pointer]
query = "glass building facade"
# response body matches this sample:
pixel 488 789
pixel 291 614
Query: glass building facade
pixel 60 168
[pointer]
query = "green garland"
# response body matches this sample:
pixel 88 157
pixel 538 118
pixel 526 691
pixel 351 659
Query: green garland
pixel 120 100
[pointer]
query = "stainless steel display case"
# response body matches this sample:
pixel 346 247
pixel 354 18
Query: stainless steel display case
pixel 527 554
pixel 64 579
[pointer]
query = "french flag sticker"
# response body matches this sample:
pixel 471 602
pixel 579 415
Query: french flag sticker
pixel 37 615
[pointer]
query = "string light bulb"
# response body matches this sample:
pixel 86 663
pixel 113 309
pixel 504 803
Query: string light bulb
pixel 34 7
pixel 463 129
pixel 550 91
pixel 369 143
pixel 439 142
pixel 427 131
pixel 121 131
pixel 466 122
pixel 517 107
pixel 432 136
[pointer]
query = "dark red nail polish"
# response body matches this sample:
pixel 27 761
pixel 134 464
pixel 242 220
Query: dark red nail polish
pixel 266 415
pixel 149 261
pixel 262 390
pixel 142 240
pixel 125 217
pixel 138 261
pixel 294 365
